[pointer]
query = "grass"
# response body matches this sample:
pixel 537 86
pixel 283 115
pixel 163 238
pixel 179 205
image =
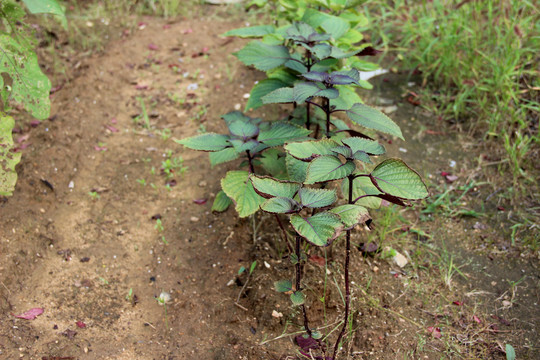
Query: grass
pixel 479 58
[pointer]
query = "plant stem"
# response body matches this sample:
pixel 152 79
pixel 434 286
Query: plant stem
pixel 327 111
pixel 308 119
pixel 347 285
pixel 298 282
pixel 250 160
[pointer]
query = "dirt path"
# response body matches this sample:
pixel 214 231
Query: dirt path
pixel 80 237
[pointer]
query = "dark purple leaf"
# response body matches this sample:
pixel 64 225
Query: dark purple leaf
pixel 85 259
pixel 306 344
pixel 156 217
pixel 200 201
pixel 35 123
pixel 369 51
pixel 369 248
pixel 153 47
pixel 30 314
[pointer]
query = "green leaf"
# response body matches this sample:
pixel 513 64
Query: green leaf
pixel 29 86
pixel 298 298
pixel 305 90
pixel 371 118
pixel 206 142
pixel 273 161
pixel 370 147
pixel 262 56
pixel 237 186
pixel 243 129
pixel 351 37
pixel 233 116
pixel 363 186
pixel 281 132
pixel 296 169
pixel 281 205
pixel 283 286
pixel 279 96
pixel 221 202
pixel 319 229
pixel 47 7
pixel 326 168
pixel 8 159
pixel 223 156
pixel 324 65
pixel 347 97
pixel 261 89
pixel 510 352
pixel 338 53
pixel 331 24
pixel 321 51
pixel 351 215
pixel 268 187
pixel 363 65
pixel 283 75
pixel 251 31
pixel 317 198
pixel 309 150
pixel 241 145
pixel 396 178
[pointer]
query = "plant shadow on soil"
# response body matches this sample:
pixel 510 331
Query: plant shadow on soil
pixel 77 255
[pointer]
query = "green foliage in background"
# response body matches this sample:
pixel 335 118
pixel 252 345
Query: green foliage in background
pixel 21 82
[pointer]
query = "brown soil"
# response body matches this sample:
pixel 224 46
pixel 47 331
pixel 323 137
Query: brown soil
pixel 77 255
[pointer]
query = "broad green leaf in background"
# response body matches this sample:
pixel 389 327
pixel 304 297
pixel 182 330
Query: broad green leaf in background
pixel 326 168
pixel 304 90
pixel 238 187
pixel 273 161
pixel 309 150
pixel 363 186
pixel 251 31
pixel 297 169
pixel 319 229
pixel 47 7
pixel 223 156
pixel 262 56
pixel 261 89
pixel 280 132
pixel 370 147
pixel 221 202
pixel 281 205
pixel 396 178
pixel 317 198
pixel 206 142
pixel 268 187
pixel 8 159
pixel 29 86
pixel 371 118
pixel 279 96
pixel 347 98
pixel 351 215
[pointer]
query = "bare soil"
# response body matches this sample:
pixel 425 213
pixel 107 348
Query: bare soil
pixel 79 238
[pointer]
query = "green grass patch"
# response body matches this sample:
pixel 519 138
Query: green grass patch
pixel 480 58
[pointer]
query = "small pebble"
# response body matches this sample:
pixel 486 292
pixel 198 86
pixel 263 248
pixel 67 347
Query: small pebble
pixel 194 219
pixel 202 183
pixel 237 107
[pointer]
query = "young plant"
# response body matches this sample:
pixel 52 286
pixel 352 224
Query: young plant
pixel 253 139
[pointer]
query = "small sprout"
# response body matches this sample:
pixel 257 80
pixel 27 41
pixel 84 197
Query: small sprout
pixel 94 195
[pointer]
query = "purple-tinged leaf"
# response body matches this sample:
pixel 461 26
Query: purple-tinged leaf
pixel 200 201
pixel 369 51
pixel 306 344
pixel 30 314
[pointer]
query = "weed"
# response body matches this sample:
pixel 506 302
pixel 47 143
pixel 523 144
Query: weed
pixel 141 181
pixel 94 195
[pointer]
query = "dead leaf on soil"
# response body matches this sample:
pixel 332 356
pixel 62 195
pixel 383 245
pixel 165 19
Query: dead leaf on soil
pixel 30 314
